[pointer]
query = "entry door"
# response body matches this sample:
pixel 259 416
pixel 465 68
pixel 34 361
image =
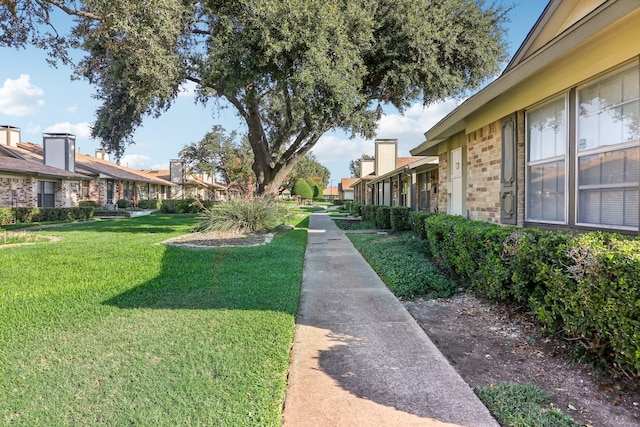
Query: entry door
pixel 456 182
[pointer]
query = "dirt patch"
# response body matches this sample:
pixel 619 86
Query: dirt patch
pixel 488 342
pixel 220 239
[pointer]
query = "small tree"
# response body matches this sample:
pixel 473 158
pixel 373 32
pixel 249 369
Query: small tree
pixel 315 188
pixel 302 189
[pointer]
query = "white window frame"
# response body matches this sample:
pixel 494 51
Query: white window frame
pixel 598 150
pixel 565 156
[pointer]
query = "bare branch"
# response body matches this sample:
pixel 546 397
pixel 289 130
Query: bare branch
pixel 75 12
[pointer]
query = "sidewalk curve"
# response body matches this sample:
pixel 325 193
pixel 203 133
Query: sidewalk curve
pixel 359 358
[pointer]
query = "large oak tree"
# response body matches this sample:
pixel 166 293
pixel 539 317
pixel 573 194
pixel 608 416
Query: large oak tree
pixel 292 69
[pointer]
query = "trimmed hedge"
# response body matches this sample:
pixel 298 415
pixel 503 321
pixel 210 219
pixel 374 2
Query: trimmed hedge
pixel 189 205
pixel 583 285
pixel 30 215
pixel 400 218
pixel 383 217
pixel 417 222
pixel 149 204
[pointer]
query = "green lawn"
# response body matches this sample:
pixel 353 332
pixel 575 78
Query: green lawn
pixel 110 327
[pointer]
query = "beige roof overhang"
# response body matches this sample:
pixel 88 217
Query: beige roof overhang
pixel 602 17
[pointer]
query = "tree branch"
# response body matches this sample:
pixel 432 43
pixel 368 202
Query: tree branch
pixel 75 12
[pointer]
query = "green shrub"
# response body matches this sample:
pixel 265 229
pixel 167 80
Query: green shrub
pixel 88 204
pixel 418 225
pixel 149 204
pixel 400 218
pixel 123 203
pixel 316 189
pixel 168 206
pixel 369 212
pixel 383 217
pixel 592 295
pixel 245 215
pixel 30 215
pixel 6 216
pixel 189 205
pixel 584 286
pixel 356 209
pixel 301 189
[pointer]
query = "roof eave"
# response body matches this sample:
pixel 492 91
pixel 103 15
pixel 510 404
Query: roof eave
pixel 591 24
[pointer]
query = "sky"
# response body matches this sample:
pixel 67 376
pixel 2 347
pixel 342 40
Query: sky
pixel 39 99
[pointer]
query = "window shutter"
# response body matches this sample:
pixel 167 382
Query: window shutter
pixel 508 201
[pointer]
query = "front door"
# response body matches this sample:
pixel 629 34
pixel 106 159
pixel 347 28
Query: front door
pixel 457 205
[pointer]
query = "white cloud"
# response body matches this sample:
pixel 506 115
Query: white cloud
pixel 19 97
pixel 80 130
pixel 136 161
pixel 72 109
pixel 187 89
pixel 409 128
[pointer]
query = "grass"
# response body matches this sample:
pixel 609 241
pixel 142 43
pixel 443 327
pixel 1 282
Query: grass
pixel 14 237
pixel 108 326
pixel 401 262
pixel 522 405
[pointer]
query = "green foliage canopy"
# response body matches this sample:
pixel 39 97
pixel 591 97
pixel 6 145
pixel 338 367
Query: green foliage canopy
pixel 301 188
pixel 292 69
pixel 222 155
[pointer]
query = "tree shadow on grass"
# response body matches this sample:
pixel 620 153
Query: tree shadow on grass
pixel 245 278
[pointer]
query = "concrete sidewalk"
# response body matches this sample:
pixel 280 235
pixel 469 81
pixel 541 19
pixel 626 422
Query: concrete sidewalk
pixel 359 358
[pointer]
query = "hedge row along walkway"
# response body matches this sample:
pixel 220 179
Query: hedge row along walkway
pixel 359 358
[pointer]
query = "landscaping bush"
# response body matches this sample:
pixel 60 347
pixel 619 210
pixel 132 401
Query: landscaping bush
pixel 316 189
pixel 168 206
pixel 189 205
pixel 582 285
pixel 400 218
pixel 356 209
pixel 88 204
pixel 123 203
pixel 592 295
pixel 383 217
pixel 6 216
pixel 245 215
pixel 149 204
pixel 417 219
pixel 29 215
pixel 301 189
pixel 369 212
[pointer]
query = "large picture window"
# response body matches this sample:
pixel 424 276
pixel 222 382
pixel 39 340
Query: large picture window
pixel 546 162
pixel 608 157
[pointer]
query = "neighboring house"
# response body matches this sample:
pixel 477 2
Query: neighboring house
pixel 396 181
pixel 80 177
pixel 330 193
pixel 28 181
pixel 409 184
pixel 345 192
pixel 199 186
pixel 554 142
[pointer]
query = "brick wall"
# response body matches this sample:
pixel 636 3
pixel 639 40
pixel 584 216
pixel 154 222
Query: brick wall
pixel 442 177
pixel 483 173
pixel 24 195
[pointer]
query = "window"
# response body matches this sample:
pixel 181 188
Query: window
pixel 608 157
pixel 46 194
pixel 85 190
pixel 546 162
